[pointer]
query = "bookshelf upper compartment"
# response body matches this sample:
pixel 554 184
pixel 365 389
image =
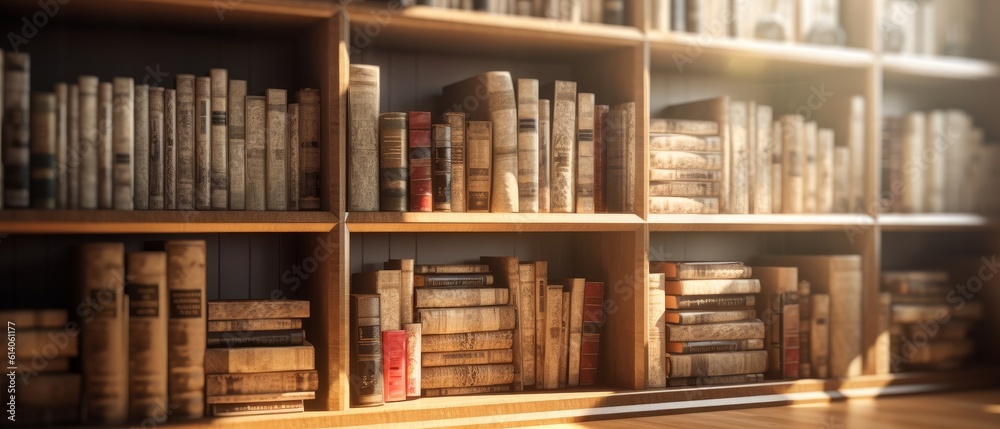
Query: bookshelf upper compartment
pixel 159 221
pixel 490 222
pixel 902 67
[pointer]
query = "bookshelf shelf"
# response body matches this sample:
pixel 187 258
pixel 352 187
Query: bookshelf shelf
pixel 935 222
pixel 757 223
pixel 490 222
pixel 953 68
pixel 157 221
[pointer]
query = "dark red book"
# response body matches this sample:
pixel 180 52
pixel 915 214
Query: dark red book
pixel 421 197
pixel 593 319
pixel 394 365
pixel 600 182
pixel 790 335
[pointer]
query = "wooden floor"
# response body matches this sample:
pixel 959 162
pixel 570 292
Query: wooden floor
pixel 953 410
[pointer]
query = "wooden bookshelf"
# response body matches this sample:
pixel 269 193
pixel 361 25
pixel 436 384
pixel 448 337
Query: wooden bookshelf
pixel 490 222
pixel 954 68
pixel 160 221
pixel 758 223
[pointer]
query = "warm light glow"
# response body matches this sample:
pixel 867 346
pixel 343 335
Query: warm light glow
pixel 991 409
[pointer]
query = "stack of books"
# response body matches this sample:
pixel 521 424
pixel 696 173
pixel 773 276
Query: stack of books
pixel 929 331
pixel 685 166
pixel 710 331
pixel 41 343
pixel 258 361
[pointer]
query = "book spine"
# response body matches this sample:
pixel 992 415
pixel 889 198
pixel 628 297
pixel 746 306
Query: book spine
pixel 684 205
pixel 16 130
pixel 88 145
pixel 260 397
pixel 102 347
pixel 310 158
pixel 266 382
pixel 526 320
pixel 467 376
pixel 628 132
pixel 432 280
pixel 739 189
pixel 841 179
pixel 810 171
pixel 590 345
pixel 363 151
pixel 256 152
pixel 72 147
pixel 257 408
pixel 291 337
pixel 704 302
pixel 104 146
pixel 421 192
pixel 685 143
pixel 685 160
pixel 856 139
pixel 294 166
pixel 170 149
pixel 789 336
pixel 819 330
pixel 203 143
pixel 563 140
pixel 258 309
pixel 219 138
pixel 186 281
pixel 541 283
pixel 585 153
pixel 600 161
pixel 147 331
pixel 687 347
pixel 236 123
pixel 277 149
pixel 456 120
pixel 715 381
pixel 717 331
pixel 441 168
pixel 413 353
pixel 464 297
pixel 697 175
pixel 564 341
pixel 259 359
pixel 155 158
pixel 805 350
pixel 684 189
pixel 717 364
pixel 527 145
pixel 463 391
pixel 656 352
pixel 43 151
pixel 394 365
pixel 716 317
pixel 761 203
pixel 250 325
pixel 508 275
pixel 406 300
pixel 824 170
pixel 883 357
pixel 712 286
pixel 366 351
pixel 793 186
pixel 186 122
pixel 394 170
pixel 544 145
pixel 503 115
pixel 452 269
pixel 472 357
pixel 484 340
pixel 62 179
pixel 464 320
pixel 480 164
pixel 553 323
pixel 777 174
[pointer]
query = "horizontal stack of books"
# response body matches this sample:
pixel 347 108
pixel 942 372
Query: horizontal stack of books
pixel 542 149
pixel 206 145
pixel 258 361
pixel 575 11
pixel 40 345
pixel 685 166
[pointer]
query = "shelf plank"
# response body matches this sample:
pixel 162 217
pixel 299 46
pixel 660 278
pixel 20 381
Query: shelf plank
pixel 758 222
pixel 157 221
pixel 957 68
pixel 490 222
pixel 935 222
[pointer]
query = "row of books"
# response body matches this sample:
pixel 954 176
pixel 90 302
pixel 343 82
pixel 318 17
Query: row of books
pixel 575 11
pixel 456 329
pixel 206 145
pixel 929 27
pixel 722 156
pixel 805 21
pixel 43 389
pixel 937 162
pixel 496 152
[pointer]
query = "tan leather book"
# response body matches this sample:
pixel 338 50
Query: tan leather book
pixel 186 123
pixel 310 150
pixel 203 143
pixel 237 132
pixel 245 309
pixel 186 336
pixel 483 340
pixel 155 159
pixel 88 145
pixel 243 360
pixel 147 330
pixel 277 149
pixel 466 376
pixel 102 348
pixel 362 146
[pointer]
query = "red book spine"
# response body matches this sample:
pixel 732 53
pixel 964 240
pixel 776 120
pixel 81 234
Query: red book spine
pixel 600 185
pixel 421 196
pixel 593 303
pixel 593 319
pixel 790 336
pixel 394 365
pixel 588 358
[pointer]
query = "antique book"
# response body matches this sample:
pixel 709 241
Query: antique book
pixel 544 145
pixel 666 175
pixel 365 351
pixel 934 175
pixel 701 270
pixel 507 273
pixel 715 381
pixel 479 143
pixel 751 154
pixel 711 286
pixel 841 179
pixel 600 158
pixel 824 170
pixel 466 280
pixel 468 319
pixel 259 397
pixel 387 284
pixel 276 184
pixel 790 335
pixel 810 173
pixel 562 170
pixel 43 151
pixel 593 320
pixel 394 172
pixel 684 143
pixel 251 325
pixel 714 346
pixel 219 138
pixel 764 145
pixel 362 146
pixel 777 162
pixel 186 122
pixel 147 331
pixel 483 340
pixel 656 358
pixel 277 338
pixel 854 114
pixel 709 302
pixel 413 353
pixel 684 205
pixel 714 110
pixel 102 348
pixel 256 152
pixel 406 298
pixel 466 376
pixel 104 146
pixel 170 149
pixel 243 309
pixel 451 269
pixel 739 165
pixel 238 360
pixel 564 341
pixel 88 150
pixel 462 391
pixel 155 159
pixel 792 165
pixel 36 319
pixel 627 131
pixel 394 365
pixel 237 133
pixel 687 127
pixel 527 317
pixel 589 358
pixel 456 120
pixel 527 145
pixel 576 288
pixel 472 357
pixel 540 274
pixel 684 189
pixel 585 153
pixel 294 168
pixel 72 146
pixel 819 331
pixel 186 294
pixel 748 329
pixel 257 408
pixel 441 167
pixel 716 364
pixel 202 143
pixel 805 313
pixel 673 160
pixel 553 324
pixel 774 282
pixel 310 150
pixel 16 158
pixel 460 297
pixel 697 317
pixel 62 179
pixel 500 107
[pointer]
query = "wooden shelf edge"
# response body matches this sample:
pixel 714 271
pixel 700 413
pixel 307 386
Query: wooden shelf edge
pixel 758 222
pixel 490 222
pixel 818 55
pixel 161 221
pixel 939 67
pixel 930 222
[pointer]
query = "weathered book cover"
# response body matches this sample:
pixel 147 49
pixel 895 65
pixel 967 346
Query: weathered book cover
pixel 712 286
pixel 655 352
pixel 690 127
pixel 701 270
pixel 544 145
pixel 716 364
pixel 16 168
pixel 394 178
pixel 790 335
pixel 394 365
pixel 508 274
pixel 589 353
pixel 805 313
pixel 483 340
pixel 461 297
pixel 709 302
pixel 664 175
pixel 441 167
pixel 712 110
pixel 600 158
pixel 552 340
pixel 585 153
pixel 170 149
pixel 387 284
pixel 445 280
pixel 257 408
pixel 456 120
pixel 824 170
pixel 715 381
pixel 244 309
pixel 219 138
pixel 466 376
pixel 405 267
pixel 564 341
pixel 62 161
pixel 294 167
pixel 72 146
pixel 761 180
pixel 237 134
pixel 310 150
pixel 819 330
pixel 365 351
pixel 451 269
pixel 810 173
pixel 527 145
pixel 934 175
pixel 102 348
pixel 576 287
pixel 251 325
pixel 362 147
pixel 563 141
pixel 279 338
pixel 777 162
pixel 260 397
pixel 147 330
pixel 479 163
pixel 684 205
pixel 237 360
pixel 739 165
pixel 261 382
pixel 186 281
pixel 413 353
pixel 463 391
pixel 186 123
pixel 697 317
pixel 527 316
pixel 540 286
pixel 277 149
pixel 419 152
pixel 627 130
pixel 668 160
pixel 203 143
pixel 256 147
pixel 684 189
pixel 714 346
pixel 774 281
pixel 684 143
pixel 793 164
pixel 88 149
pixel 104 146
pixel 472 357
pixel 468 319
pixel 748 329
pixel 155 159
pixel 43 151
